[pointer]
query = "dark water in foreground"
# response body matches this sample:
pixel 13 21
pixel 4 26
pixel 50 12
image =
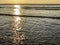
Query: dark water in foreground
pixel 34 31
pixel 15 30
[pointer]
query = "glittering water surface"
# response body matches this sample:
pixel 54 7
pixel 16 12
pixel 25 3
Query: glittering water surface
pixel 15 30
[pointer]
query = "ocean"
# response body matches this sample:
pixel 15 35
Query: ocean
pixel 29 24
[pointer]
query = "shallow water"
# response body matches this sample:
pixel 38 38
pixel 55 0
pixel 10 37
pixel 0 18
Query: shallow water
pixel 15 30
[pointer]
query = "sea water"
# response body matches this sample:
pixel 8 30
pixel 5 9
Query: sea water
pixel 16 30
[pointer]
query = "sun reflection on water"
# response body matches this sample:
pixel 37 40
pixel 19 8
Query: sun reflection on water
pixel 17 10
pixel 17 25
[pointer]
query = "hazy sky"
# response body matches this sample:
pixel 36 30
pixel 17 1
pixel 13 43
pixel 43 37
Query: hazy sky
pixel 29 1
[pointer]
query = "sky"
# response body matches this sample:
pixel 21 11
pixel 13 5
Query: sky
pixel 29 1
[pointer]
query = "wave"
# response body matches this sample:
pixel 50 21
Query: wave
pixel 33 7
pixel 30 16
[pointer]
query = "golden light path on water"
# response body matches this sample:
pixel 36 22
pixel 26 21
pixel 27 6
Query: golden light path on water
pixel 17 10
pixel 17 19
pixel 17 26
